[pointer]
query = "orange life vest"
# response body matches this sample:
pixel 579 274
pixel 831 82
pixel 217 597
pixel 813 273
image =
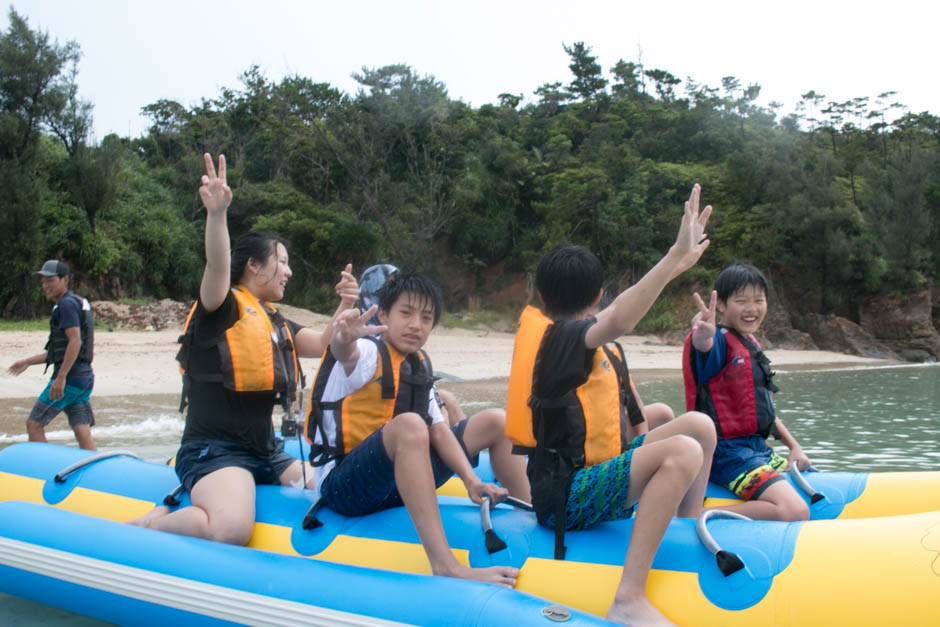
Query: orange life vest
pixel 256 354
pixel 594 413
pixel 400 384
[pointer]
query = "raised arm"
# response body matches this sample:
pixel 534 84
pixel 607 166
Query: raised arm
pixel 348 327
pixel 312 343
pixel 703 323
pixel 632 304
pixel 216 197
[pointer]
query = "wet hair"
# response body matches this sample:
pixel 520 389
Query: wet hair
pixel 568 278
pixel 257 245
pixel 422 287
pixel 736 277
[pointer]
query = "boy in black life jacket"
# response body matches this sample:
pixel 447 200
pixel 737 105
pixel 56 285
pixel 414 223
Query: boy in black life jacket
pixel 381 441
pixel 580 470
pixel 728 377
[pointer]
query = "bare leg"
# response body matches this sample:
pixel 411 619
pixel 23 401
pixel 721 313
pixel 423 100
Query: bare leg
pixel 223 509
pixel 487 430
pixel 407 443
pixel 778 502
pixel 699 427
pixel 451 410
pixel 83 436
pixel 655 415
pixel 658 414
pixel 661 473
pixel 294 475
pixel 35 431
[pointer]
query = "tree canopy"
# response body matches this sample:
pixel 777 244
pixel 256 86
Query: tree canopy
pixel 836 202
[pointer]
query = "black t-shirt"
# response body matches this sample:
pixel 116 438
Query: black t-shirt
pixel 215 412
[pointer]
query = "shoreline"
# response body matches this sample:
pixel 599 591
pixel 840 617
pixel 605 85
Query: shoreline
pixel 129 363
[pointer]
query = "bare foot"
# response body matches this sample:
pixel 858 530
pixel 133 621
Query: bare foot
pixel 637 611
pixel 500 575
pixel 150 517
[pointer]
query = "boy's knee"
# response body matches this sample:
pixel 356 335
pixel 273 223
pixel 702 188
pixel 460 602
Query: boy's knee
pixel 658 414
pixel 686 455
pixel 231 531
pixel 700 427
pixel 794 510
pixel 790 506
pixel 493 419
pixel 409 427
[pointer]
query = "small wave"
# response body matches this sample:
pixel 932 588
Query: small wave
pixel 160 426
pixel 860 367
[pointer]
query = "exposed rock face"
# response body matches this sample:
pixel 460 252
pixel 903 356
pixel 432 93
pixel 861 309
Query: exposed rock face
pixel 935 306
pixel 156 316
pixel 777 330
pixel 903 321
pixel 835 333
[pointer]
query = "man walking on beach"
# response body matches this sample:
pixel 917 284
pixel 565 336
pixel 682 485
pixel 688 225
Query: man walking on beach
pixel 69 349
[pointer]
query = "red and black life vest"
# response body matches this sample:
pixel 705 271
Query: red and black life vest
pixel 729 397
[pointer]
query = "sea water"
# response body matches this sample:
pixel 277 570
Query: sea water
pixel 869 419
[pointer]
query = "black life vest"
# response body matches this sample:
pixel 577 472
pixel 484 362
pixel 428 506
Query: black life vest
pixel 59 341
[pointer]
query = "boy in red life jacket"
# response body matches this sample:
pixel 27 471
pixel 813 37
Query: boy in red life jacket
pixel 580 471
pixel 397 448
pixel 728 377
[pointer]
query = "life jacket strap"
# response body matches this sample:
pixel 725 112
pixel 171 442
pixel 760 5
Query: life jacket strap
pixel 560 548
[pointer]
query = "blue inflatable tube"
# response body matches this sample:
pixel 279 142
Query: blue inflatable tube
pixel 373 567
pixel 132 576
pixel 839 495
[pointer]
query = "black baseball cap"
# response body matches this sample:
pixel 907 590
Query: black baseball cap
pixel 53 267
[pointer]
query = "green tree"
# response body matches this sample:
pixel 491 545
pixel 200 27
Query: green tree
pixel 588 81
pixel 33 95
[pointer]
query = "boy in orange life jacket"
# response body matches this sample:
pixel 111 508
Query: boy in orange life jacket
pixel 728 377
pixel 372 280
pixel 588 480
pixel 395 451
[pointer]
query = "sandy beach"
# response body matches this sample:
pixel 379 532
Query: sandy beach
pixel 140 362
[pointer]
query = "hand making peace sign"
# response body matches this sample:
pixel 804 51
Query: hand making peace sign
pixel 704 322
pixel 215 193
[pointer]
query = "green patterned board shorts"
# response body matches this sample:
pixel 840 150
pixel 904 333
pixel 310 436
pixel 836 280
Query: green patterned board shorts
pixel 599 493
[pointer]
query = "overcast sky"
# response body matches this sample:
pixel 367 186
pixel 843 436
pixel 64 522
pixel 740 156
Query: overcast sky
pixel 136 53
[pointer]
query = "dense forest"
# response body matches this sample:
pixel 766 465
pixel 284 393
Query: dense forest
pixel 836 202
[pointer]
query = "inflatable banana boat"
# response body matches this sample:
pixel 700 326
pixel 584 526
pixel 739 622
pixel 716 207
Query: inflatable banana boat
pixel 829 495
pixel 61 544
